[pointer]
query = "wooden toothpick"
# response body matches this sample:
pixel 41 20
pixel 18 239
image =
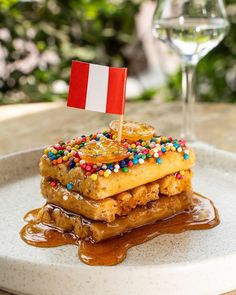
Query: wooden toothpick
pixel 120 127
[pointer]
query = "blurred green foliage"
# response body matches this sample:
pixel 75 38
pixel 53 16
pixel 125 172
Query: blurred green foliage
pixel 38 40
pixel 216 73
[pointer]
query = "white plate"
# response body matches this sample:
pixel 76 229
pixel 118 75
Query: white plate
pixel 195 262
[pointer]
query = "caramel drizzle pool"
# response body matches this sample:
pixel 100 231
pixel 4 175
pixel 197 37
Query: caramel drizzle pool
pixel 203 215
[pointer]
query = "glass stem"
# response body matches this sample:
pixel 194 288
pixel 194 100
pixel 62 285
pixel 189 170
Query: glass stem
pixel 188 101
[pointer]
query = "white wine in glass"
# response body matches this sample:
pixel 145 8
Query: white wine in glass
pixel 191 28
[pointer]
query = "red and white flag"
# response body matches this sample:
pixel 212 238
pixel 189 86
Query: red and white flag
pixel 97 88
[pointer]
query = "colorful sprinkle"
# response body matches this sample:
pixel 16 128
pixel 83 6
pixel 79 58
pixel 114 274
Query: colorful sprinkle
pixel 94 177
pixel 101 172
pixel 46 151
pixel 179 149
pixel 152 150
pixel 130 163
pixel 50 154
pixel 88 168
pixel 69 186
pixel 65 197
pixel 117 166
pixel 106 174
pixel 54 151
pixel 178 176
pixel 53 183
pixel 186 156
pixel 72 164
pixel 65 158
pixel 135 161
pixel 59 161
pixel 163 149
pixel 159 160
pixel 141 161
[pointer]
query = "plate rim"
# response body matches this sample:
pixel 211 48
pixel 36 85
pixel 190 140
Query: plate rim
pixel 197 146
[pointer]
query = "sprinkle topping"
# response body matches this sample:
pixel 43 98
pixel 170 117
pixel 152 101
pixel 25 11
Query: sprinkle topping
pixel 100 155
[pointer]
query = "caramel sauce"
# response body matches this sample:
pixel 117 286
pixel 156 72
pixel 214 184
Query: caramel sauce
pixel 202 215
pixel 40 235
pixel 32 216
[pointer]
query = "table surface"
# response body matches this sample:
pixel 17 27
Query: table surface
pixel 29 126
pixel 215 123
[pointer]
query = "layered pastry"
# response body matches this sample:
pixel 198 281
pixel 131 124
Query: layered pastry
pixel 97 188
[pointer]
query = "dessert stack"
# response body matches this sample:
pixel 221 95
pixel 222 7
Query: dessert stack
pixel 96 187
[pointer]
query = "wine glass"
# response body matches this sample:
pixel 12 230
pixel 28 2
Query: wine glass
pixel 191 28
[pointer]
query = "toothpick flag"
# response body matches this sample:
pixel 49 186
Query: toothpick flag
pixel 97 88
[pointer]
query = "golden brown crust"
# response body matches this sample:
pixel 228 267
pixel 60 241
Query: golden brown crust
pixel 171 185
pixel 156 210
pixel 119 205
pixel 117 182
pixel 56 217
pixel 106 209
